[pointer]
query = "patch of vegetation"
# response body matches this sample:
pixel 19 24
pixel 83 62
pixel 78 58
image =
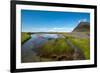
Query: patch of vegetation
pixel 83 44
pixel 24 37
pixel 54 48
pixel 61 46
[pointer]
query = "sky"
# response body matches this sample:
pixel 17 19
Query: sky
pixel 51 21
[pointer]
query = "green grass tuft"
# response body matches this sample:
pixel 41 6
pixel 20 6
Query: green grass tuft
pixel 82 44
pixel 58 46
pixel 24 37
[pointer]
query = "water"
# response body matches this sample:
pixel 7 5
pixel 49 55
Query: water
pixel 29 48
pixel 44 36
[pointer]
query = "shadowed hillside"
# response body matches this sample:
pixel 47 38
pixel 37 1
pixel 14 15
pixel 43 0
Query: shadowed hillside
pixel 82 27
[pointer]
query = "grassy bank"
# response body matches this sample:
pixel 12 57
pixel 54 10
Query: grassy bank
pixel 83 44
pixel 56 48
pixel 24 37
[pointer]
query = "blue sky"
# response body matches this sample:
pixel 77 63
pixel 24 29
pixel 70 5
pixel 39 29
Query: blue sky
pixel 51 21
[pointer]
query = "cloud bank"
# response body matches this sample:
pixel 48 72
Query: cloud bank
pixel 61 29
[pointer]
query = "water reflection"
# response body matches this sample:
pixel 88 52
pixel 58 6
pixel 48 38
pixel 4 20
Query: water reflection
pixel 29 48
pixel 45 36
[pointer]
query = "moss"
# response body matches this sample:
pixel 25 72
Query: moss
pixel 24 37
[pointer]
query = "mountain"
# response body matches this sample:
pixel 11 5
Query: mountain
pixel 82 27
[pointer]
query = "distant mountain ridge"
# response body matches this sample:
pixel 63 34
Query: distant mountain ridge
pixel 82 27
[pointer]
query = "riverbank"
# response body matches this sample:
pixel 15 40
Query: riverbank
pixel 24 37
pixel 55 47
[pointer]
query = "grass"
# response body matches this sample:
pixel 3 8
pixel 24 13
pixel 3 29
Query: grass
pixel 58 49
pixel 59 46
pixel 24 37
pixel 55 47
pixel 83 44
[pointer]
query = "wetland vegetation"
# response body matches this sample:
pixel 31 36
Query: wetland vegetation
pixel 55 47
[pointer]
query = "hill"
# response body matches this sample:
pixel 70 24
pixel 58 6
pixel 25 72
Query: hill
pixel 82 27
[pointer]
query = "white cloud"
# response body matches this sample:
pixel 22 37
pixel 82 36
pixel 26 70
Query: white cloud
pixel 62 29
pixel 82 20
pixel 58 28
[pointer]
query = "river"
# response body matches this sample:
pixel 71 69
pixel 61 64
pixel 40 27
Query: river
pixel 29 48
